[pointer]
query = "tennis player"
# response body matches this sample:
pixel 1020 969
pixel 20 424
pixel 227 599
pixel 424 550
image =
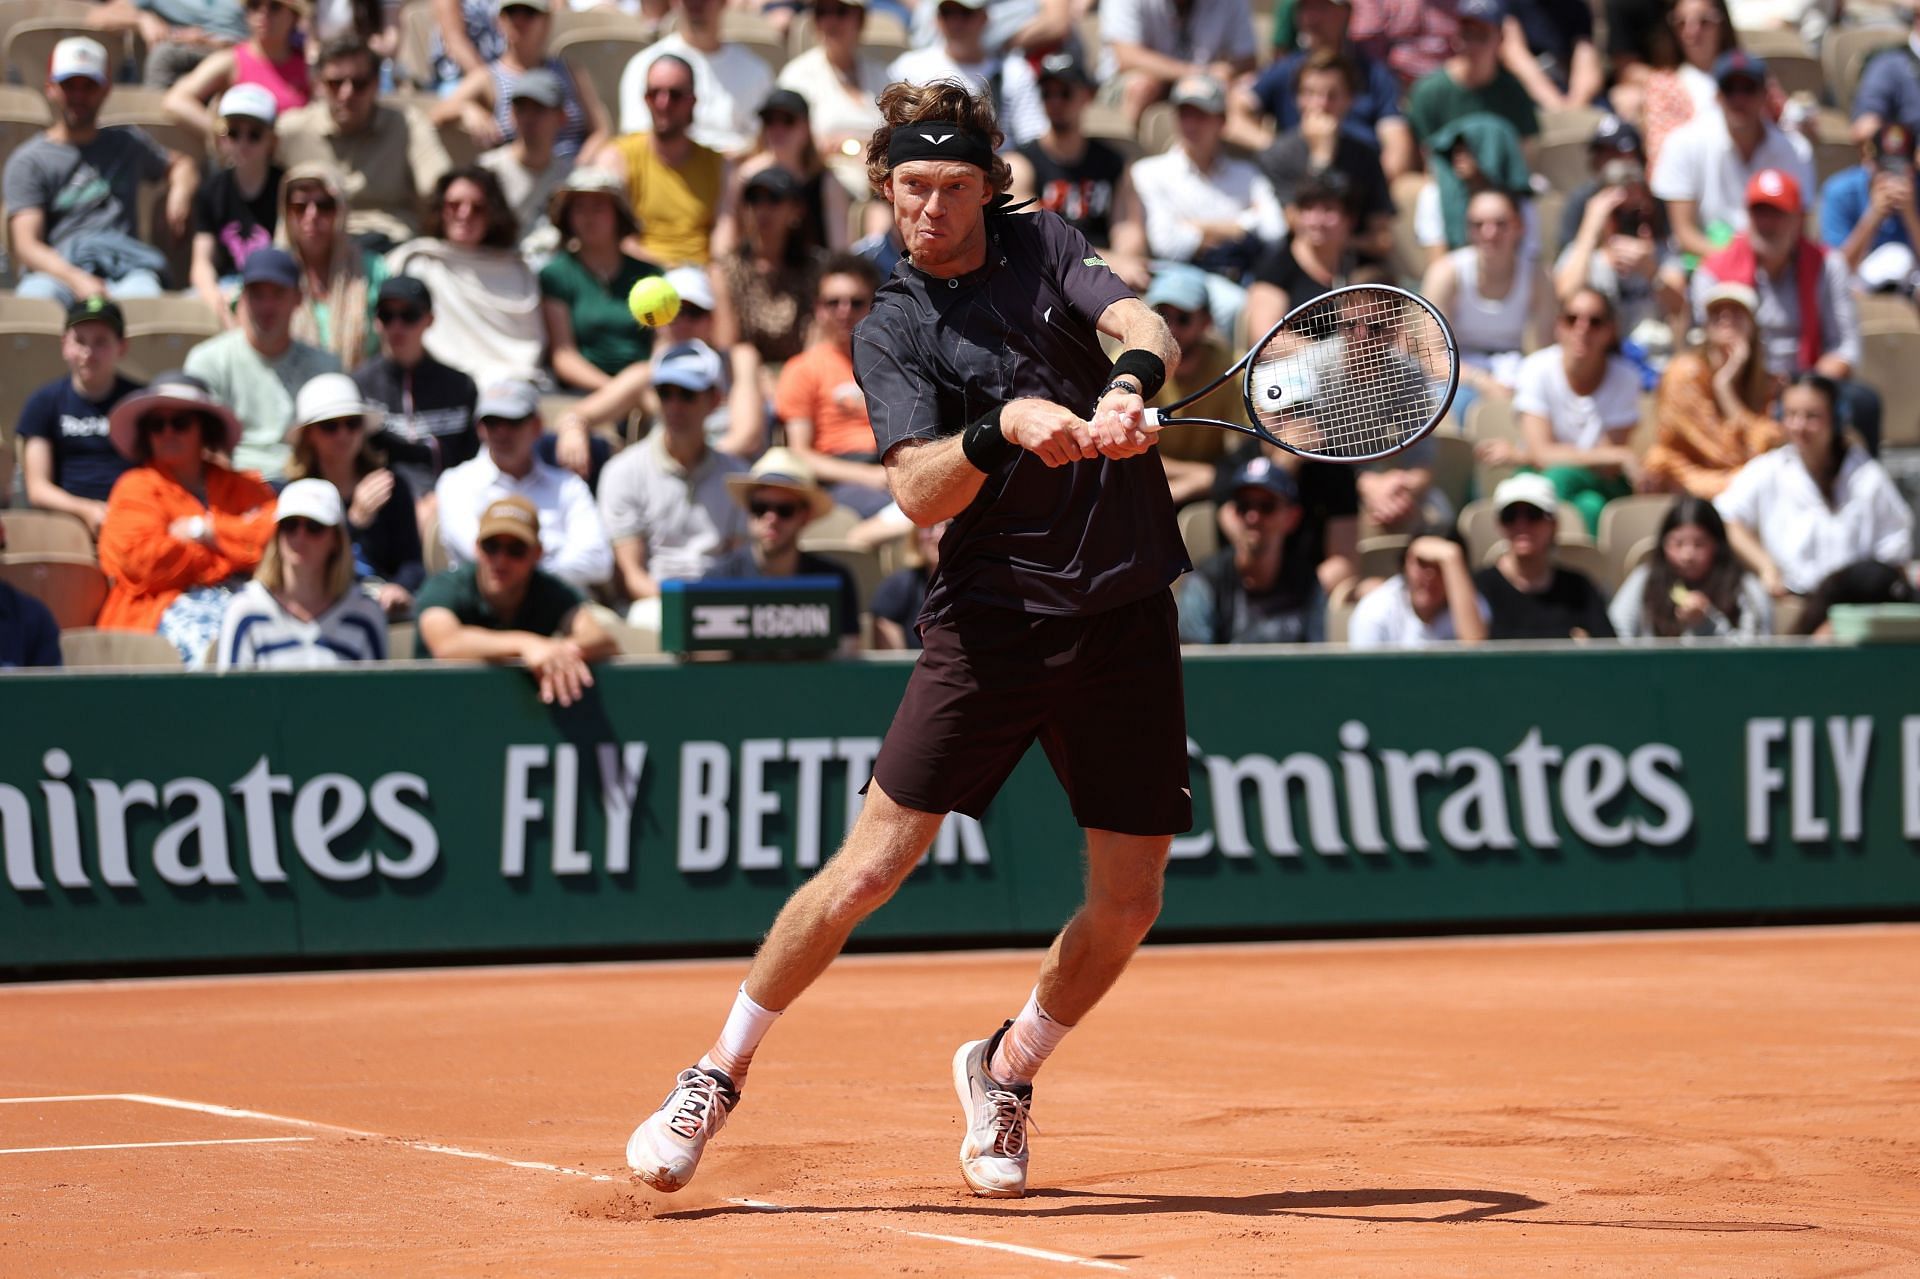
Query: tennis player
pixel 1049 616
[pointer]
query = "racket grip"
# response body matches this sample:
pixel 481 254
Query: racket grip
pixel 1150 417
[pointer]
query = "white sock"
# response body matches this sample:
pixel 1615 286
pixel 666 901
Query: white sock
pixel 1027 1044
pixel 747 1024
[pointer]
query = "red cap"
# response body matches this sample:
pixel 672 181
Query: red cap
pixel 1775 189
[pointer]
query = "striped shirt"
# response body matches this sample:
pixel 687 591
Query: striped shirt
pixel 258 633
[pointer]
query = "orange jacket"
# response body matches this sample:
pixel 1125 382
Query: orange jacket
pixel 150 566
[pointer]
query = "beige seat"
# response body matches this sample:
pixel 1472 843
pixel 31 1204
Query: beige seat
pixel 1340 606
pixel 1565 164
pixel 1890 363
pixel 1627 521
pixel 414 57
pixel 1845 52
pixel 599 55
pixel 1637 554
pixel 862 562
pixel 433 552
pixel 1888 312
pixel 169 133
pixel 747 28
pixel 29 359
pixel 83 646
pixel 1383 554
pixel 29 47
pixel 1789 60
pixel 71 586
pixel 831 527
pixel 400 638
pixel 152 351
pixel 181 312
pixel 42 315
pixel 1479 526
pixel 1453 468
pixel 46 533
pixel 1200 529
pixel 1158 128
pixel 1787 611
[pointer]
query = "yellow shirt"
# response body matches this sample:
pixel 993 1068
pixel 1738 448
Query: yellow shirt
pixel 1202 443
pixel 676 207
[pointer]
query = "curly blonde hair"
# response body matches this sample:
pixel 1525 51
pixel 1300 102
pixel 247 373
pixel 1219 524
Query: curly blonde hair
pixel 902 103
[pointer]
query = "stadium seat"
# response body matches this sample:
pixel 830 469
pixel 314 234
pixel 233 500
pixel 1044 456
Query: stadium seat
pixel 31 359
pixel 599 55
pixel 32 315
pixel 83 646
pixel 1564 163
pixel 29 46
pixel 1833 149
pixel 413 60
pixel 1453 468
pixel 1888 312
pixel 1340 609
pixel 1845 52
pixel 1573 123
pixel 1382 555
pixel 747 28
pixel 180 312
pixel 1479 526
pixel 168 132
pixel 1158 128
pixel 1789 61
pixel 1787 610
pixel 633 641
pixel 831 527
pixel 858 560
pixel 152 350
pixel 1627 521
pixel 72 586
pixel 400 637
pixel 433 552
pixel 1491 418
pixel 1200 529
pixel 1639 553
pixel 46 533
pixel 1409 259
pixel 1890 362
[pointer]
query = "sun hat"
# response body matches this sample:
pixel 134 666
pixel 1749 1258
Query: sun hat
pixel 173 389
pixel 785 469
pixel 325 397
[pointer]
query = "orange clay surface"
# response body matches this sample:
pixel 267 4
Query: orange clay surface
pixel 1712 1103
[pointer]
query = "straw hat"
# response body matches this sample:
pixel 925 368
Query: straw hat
pixel 175 390
pixel 785 469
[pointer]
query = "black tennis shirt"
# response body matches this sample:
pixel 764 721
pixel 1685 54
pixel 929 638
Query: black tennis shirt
pixel 935 354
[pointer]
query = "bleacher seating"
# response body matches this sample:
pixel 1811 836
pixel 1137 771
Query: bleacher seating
pixel 84 647
pixel 46 533
pixel 71 586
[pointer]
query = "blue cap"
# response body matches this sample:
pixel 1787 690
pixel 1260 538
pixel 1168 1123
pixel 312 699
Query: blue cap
pixel 1738 64
pixel 1263 472
pixel 271 266
pixel 1185 288
pixel 1490 11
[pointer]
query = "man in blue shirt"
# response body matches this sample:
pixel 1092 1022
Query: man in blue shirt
pixel 70 464
pixel 1375 112
pixel 1872 205
pixel 1889 90
pixel 28 634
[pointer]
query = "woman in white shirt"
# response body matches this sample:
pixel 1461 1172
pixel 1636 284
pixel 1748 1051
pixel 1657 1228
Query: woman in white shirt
pixel 839 81
pixel 1578 401
pixel 1493 295
pixel 303 608
pixel 1815 504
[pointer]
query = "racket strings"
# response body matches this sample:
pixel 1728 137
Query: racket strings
pixel 1354 377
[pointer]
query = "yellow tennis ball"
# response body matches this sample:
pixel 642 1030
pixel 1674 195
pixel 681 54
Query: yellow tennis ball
pixel 653 301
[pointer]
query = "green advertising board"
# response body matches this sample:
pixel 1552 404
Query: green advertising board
pixel 420 811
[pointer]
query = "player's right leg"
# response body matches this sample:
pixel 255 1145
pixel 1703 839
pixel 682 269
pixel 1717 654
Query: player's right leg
pixel 886 842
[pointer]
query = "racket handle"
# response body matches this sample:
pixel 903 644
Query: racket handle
pixel 1151 417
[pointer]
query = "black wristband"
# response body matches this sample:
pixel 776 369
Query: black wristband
pixel 986 448
pixel 1144 367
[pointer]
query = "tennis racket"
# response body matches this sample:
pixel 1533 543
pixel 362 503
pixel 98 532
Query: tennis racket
pixel 1355 374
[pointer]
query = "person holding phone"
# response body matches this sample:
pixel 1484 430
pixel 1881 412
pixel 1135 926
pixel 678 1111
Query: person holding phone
pixel 1869 214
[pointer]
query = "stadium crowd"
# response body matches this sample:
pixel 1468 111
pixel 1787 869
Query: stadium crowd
pixel 328 307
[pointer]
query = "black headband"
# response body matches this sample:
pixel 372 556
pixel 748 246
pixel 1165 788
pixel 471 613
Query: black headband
pixel 938 140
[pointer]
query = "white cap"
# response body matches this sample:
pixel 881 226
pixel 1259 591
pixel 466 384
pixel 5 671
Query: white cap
pixel 317 500
pixel 254 101
pixel 1732 291
pixel 325 397
pixel 692 366
pixel 77 56
pixel 693 286
pixel 1527 489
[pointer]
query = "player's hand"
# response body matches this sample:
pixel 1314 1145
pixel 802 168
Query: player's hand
pixel 1056 435
pixel 1119 426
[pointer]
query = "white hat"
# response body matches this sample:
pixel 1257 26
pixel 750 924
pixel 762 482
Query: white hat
pixel 785 469
pixel 1732 291
pixel 1527 489
pixel 317 500
pixel 325 397
pixel 692 366
pixel 693 286
pixel 77 56
pixel 254 101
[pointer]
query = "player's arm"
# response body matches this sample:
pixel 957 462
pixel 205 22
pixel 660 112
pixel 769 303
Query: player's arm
pixel 1118 424
pixel 935 480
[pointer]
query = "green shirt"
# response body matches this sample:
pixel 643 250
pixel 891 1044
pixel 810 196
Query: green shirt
pixel 1437 100
pixel 604 330
pixel 545 608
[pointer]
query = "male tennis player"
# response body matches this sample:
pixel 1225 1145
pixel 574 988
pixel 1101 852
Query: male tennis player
pixel 1049 615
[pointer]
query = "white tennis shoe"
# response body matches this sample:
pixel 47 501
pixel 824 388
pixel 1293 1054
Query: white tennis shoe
pixel 666 1148
pixel 993 1153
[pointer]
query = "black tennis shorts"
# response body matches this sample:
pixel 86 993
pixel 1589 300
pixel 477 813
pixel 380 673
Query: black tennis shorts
pixel 1102 693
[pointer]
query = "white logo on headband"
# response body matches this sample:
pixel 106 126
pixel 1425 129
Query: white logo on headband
pixel 936 140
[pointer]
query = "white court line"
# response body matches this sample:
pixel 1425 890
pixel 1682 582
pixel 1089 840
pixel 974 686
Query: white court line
pixel 148 1145
pixel 967 1241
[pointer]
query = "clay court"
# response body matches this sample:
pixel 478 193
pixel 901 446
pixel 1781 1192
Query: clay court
pixel 1704 1103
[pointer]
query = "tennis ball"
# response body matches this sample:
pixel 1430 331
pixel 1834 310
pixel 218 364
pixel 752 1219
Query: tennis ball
pixel 653 301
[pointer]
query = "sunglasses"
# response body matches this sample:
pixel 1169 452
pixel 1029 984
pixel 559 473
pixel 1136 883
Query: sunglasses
pixel 247 133
pixel 335 425
pixel 834 11
pixel 785 510
pixel 304 526
pixel 676 395
pixel 1583 319
pixel 758 198
pixel 520 13
pixel 955 11
pixel 1056 92
pixel 506 548
pixel 505 423
pixel 318 204
pixel 1518 514
pixel 399 315
pixel 1249 505
pixel 357 83
pixel 1174 315
pixel 671 95
pixel 464 206
pixel 779 120
pixel 846 304
pixel 161 423
pixel 688 311
pixel 255 6
pixel 1741 89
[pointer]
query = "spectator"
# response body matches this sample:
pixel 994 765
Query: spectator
pixel 1706 167
pixel 302 610
pixel 1681 87
pixel 1082 179
pixel 1328 535
pixel 591 333
pixel 1482 153
pixel 1317 256
pixel 466 37
pixel 770 277
pixel 1613 141
pixel 237 209
pixel 1431 600
pixel 1809 319
pixel 178 34
pixel 1692 585
pixel 818 402
pixel 487 296
pixel 1548 46
pixel 1253 591
pixel 1712 407
pixel 389 157
pixel 331 442
pixel 259 367
pixel 181 527
pixel 364 20
pixel 29 635
pixel 1200 205
pixel 674 184
pixel 781 498
pixel 1868 211
pixel 529 168
pixel 1373 106
pixel 786 142
pixel 1412 39
pixel 270 56
pixel 1529 596
pixel 1192 454
pixel 576 549
pixel 1815 504
pixel 1472 80
pixel 839 80
pixel 71 464
pixel 1494 299
pixel 959 53
pixel 726 83
pixel 1618 251
pixel 1868 582
pixel 427 406
pixel 340 278
pixel 902 594
pixel 483 102
pixel 664 502
pixel 1152 44
pixel 1889 88
pixel 1322 143
pixel 503 608
pixel 1578 402
pixel 72 191
pixel 1395 493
